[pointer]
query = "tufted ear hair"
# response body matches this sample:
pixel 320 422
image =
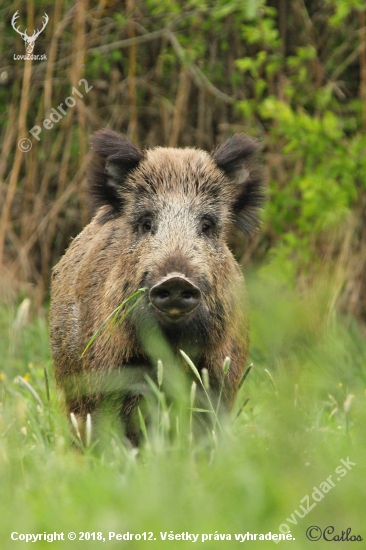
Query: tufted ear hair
pixel 113 157
pixel 238 159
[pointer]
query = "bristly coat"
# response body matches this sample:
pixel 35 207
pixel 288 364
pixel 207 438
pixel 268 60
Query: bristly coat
pixel 162 214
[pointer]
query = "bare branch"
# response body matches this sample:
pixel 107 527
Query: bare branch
pixel 197 75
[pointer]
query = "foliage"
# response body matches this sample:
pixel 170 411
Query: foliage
pixel 319 177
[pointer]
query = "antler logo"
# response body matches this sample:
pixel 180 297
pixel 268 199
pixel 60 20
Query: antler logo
pixel 29 40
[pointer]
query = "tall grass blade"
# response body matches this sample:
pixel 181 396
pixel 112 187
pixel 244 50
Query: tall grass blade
pixel 192 399
pixel 114 316
pixel 195 370
pixel 205 379
pixel 245 375
pixel 88 430
pixel 191 364
pixel 271 379
pixel 142 425
pixel 47 385
pixel 225 369
pixel 31 390
pixel 160 373
pixel 75 423
pixel 242 407
pixel 156 391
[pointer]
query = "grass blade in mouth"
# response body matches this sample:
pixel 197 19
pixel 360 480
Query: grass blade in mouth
pixel 114 322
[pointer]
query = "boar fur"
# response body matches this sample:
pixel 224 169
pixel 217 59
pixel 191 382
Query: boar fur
pixel 161 213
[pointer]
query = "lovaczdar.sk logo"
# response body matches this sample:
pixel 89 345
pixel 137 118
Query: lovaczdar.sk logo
pixel 29 40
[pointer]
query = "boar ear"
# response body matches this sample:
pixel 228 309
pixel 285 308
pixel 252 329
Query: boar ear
pixel 114 156
pixel 238 159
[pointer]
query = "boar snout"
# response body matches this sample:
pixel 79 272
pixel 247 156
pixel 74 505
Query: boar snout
pixel 175 296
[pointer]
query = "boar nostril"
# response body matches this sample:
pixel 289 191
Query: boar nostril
pixel 175 296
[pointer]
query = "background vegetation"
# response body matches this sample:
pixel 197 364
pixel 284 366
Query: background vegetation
pixel 292 74
pixel 168 72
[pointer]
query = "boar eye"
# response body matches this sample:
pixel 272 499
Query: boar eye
pixel 206 227
pixel 146 226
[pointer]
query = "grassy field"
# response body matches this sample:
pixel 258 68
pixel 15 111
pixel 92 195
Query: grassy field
pixel 295 457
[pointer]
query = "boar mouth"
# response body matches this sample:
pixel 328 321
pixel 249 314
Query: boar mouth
pixel 175 297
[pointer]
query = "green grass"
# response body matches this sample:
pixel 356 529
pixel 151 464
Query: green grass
pixel 306 412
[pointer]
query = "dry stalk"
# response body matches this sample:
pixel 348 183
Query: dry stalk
pixel 180 107
pixel 132 58
pixel 363 66
pixel 18 158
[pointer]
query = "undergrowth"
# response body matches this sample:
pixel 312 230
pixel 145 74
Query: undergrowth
pixel 303 413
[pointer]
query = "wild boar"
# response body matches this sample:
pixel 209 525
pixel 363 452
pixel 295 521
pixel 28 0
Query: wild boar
pixel 161 223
